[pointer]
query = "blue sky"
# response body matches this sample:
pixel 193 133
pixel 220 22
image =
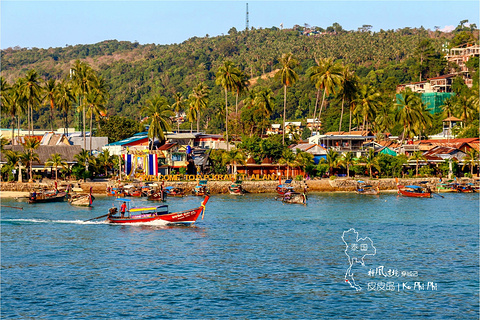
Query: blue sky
pixel 45 24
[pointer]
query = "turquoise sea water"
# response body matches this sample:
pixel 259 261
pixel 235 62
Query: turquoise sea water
pixel 250 258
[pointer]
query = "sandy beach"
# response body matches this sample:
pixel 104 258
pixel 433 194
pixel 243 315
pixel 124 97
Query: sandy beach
pixel 13 194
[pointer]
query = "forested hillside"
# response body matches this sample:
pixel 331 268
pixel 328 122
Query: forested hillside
pixel 135 73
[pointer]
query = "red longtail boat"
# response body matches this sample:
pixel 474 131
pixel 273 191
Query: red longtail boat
pixel 154 213
pixel 414 191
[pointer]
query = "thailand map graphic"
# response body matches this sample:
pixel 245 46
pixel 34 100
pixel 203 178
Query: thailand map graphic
pixel 356 250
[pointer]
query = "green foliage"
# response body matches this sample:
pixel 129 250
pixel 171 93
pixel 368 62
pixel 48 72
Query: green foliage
pixel 425 171
pixel 471 131
pixel 322 168
pixel 79 172
pixel 299 178
pixel 118 128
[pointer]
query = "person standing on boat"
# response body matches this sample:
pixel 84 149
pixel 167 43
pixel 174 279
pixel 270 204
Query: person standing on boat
pixel 123 208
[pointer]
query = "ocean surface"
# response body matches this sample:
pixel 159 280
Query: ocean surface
pixel 251 257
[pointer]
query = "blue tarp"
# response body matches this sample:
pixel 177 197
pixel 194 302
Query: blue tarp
pixel 413 187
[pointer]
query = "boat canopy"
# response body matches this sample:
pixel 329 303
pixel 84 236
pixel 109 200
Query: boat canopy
pixel 123 199
pixel 285 186
pixel 169 188
pixel 413 187
pixel 288 181
pixel 140 209
pixel 202 182
pixel 360 181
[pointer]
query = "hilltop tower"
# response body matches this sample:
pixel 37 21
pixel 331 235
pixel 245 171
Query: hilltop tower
pixel 246 20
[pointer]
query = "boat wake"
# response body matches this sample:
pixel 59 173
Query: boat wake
pixel 34 221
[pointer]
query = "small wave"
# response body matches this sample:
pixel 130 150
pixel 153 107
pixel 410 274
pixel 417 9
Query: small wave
pixel 51 221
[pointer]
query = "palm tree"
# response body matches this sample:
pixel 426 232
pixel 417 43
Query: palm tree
pixel 32 92
pixel 371 161
pixel 56 161
pixel 83 158
pixel 448 107
pixel 178 106
pixel 288 77
pixel 326 76
pixel 233 158
pixel 65 98
pixel 95 105
pixel 29 155
pixel 227 77
pixel 471 159
pixel 466 106
pixel 410 113
pixel 368 101
pixel 346 161
pixel 82 78
pixel 417 156
pixel 199 99
pixel 105 160
pixel 288 158
pixel 241 85
pixel 303 160
pixel 348 91
pixel 14 159
pixel 264 103
pixel 333 160
pixel 159 112
pixel 51 97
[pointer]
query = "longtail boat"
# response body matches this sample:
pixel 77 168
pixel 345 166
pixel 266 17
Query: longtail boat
pixel 155 213
pixel 364 188
pixel 174 191
pixel 414 191
pixel 283 188
pixel 294 197
pixel 236 188
pixel 446 187
pixel 201 189
pixel 46 196
pixel 156 195
pixel 81 200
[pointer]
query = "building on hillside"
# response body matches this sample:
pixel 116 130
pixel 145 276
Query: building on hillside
pixel 344 141
pixel 211 141
pixel 463 144
pixel 140 141
pixel 460 56
pixel 314 149
pixel 448 124
pixel 45 152
pixel 97 142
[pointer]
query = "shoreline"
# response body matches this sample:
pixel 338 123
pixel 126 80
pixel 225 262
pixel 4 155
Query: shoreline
pixel 16 190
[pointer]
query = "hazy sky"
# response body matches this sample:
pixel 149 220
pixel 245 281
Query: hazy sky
pixel 45 24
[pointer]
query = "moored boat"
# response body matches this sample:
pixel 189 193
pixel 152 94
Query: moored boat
pixel 155 213
pixel 414 191
pixel 81 200
pixel 446 187
pixel 283 188
pixel 156 195
pixel 236 188
pixel 46 196
pixel 294 197
pixel 174 191
pixel 364 188
pixel 201 189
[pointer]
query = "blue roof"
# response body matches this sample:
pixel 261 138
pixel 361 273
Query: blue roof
pixel 128 140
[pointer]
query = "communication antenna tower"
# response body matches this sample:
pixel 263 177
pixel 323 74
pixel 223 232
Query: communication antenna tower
pixel 246 22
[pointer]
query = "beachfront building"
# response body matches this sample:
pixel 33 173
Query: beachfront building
pixel 343 141
pixel 314 149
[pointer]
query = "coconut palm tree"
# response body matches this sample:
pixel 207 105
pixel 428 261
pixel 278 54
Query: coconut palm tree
pixel 347 159
pixel 288 77
pixel 288 158
pixel 56 160
pixel 50 98
pixel 227 77
pixel 333 160
pixel 233 158
pixel 371 161
pixel 466 106
pixel 348 91
pixel 105 160
pixel 12 105
pixel 368 101
pixel 179 106
pixel 28 157
pixel 94 104
pixel 471 159
pixel 326 76
pixel 417 156
pixel 410 113
pixel 241 86
pixel 82 77
pixel 158 112
pixel 32 92
pixel 14 159
pixel 65 98
pixel 199 99
pixel 264 102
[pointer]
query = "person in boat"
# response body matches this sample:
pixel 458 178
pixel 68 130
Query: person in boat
pixel 112 211
pixel 123 208
pixel 34 195
pixel 287 195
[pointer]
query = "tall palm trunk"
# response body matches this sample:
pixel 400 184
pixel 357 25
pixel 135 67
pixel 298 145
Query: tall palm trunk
pixel 315 110
pixel 284 110
pixel 13 131
pixel 350 122
pixel 91 126
pixel 198 121
pixel 226 118
pixel 341 116
pixel 320 112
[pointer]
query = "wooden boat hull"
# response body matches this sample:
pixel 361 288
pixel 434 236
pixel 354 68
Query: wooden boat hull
pixel 367 192
pixel 157 196
pixel 295 198
pixel 54 198
pixel 282 191
pixel 236 190
pixel 187 217
pixel 82 201
pixel 411 194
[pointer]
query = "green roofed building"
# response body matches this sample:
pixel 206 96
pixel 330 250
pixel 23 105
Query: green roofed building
pixel 434 100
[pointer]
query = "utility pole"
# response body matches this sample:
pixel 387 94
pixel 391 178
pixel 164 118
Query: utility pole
pixel 246 20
